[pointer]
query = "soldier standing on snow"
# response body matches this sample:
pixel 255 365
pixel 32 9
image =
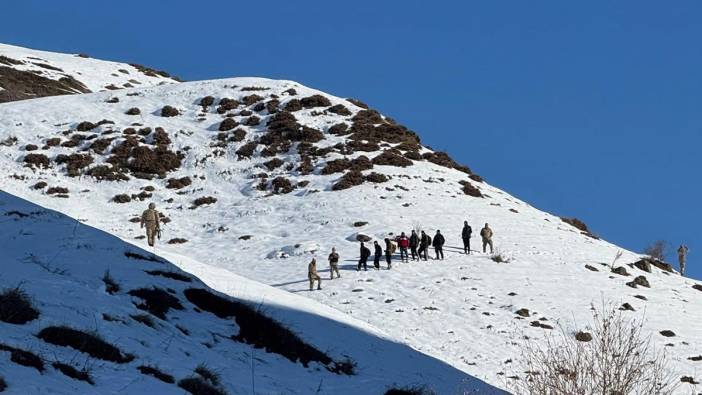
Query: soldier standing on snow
pixel 486 234
pixel 334 263
pixel 465 235
pixel 365 253
pixel 438 245
pixel 414 243
pixel 152 220
pixel 313 276
pixel 682 256
pixel 388 252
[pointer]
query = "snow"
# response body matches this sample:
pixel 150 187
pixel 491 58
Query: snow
pixel 95 74
pixel 60 263
pixel 460 310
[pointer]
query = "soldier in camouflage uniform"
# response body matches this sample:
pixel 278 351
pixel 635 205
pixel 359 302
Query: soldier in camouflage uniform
pixel 334 263
pixel 313 276
pixel 682 257
pixel 486 233
pixel 152 220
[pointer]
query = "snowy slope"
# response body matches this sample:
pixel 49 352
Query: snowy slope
pixel 460 310
pixel 60 263
pixel 28 73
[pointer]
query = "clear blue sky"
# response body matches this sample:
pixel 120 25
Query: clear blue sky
pixel 586 109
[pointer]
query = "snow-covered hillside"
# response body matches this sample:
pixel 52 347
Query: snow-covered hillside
pixel 258 176
pixel 28 73
pixel 165 329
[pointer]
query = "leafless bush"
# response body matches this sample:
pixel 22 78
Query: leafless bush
pixel 619 360
pixel 658 250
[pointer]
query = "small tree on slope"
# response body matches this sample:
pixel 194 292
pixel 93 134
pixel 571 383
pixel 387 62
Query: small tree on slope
pixel 658 250
pixel 618 360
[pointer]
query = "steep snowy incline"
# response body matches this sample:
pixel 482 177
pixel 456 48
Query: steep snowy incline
pixel 258 176
pixel 27 73
pixel 85 284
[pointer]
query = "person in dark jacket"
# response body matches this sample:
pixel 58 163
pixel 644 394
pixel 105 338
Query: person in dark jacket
pixel 414 243
pixel 424 242
pixel 388 252
pixel 365 253
pixel 438 245
pixel 465 235
pixel 378 254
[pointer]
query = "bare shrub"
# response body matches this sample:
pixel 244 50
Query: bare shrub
pixel 17 307
pixel 348 180
pixel 157 373
pixel 339 109
pixel 169 111
pixel 70 371
pixel 388 158
pixel 620 360
pixel 228 124
pixel 178 183
pixel 281 185
pixel 226 104
pixel 24 357
pixel 469 189
pixel 580 225
pixel 89 343
pixel 657 250
pixel 121 198
pixel 246 150
pixel 204 200
pixel 36 161
pixel 410 390
pixel 156 301
pixel 251 99
pixel 207 101
pixel 357 102
pixel 198 385
pixel 315 101
pixel 111 285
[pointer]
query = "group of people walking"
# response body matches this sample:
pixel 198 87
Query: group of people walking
pixel 416 244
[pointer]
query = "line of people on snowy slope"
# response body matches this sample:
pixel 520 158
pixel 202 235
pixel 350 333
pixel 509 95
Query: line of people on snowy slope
pixel 416 244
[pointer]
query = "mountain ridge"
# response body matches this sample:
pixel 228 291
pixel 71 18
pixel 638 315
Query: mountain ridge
pixel 259 197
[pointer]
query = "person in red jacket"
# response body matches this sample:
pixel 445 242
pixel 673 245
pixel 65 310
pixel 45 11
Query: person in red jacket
pixel 403 242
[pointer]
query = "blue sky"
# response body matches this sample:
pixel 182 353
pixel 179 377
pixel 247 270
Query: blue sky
pixel 587 109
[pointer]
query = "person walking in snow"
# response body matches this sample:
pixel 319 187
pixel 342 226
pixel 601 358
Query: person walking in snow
pixel 313 276
pixel 388 252
pixel 682 257
pixel 152 220
pixel 334 263
pixel 438 245
pixel 377 255
pixel 465 235
pixel 365 253
pixel 486 234
pixel 424 242
pixel 414 243
pixel 403 242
